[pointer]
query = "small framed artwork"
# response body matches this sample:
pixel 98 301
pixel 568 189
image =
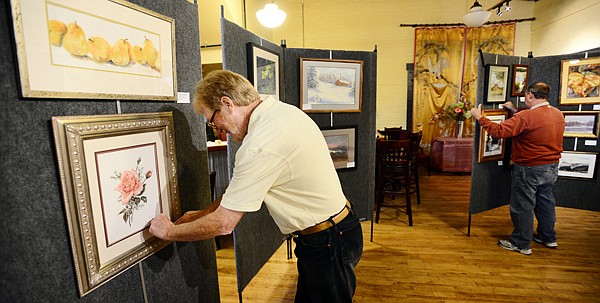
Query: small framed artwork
pixel 577 165
pixel 342 146
pixel 582 124
pixel 94 50
pixel 330 85
pixel 496 83
pixel 490 148
pixel 580 81
pixel 263 70
pixel 519 80
pixel 117 173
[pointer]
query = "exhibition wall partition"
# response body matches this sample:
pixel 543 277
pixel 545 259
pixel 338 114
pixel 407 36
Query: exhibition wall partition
pixel 256 237
pixel 38 260
pixel 578 185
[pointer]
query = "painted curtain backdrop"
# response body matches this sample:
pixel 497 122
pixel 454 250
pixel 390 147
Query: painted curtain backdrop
pixel 446 73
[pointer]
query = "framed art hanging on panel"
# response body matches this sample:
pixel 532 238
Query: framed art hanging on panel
pixel 117 172
pixel 330 85
pixel 577 165
pixel 94 50
pixel 341 142
pixel 519 80
pixel 490 148
pixel 582 124
pixel 263 70
pixel 580 81
pixel 496 83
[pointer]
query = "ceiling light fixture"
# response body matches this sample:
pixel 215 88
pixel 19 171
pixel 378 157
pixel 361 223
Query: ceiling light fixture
pixel 507 7
pixel 476 16
pixel 499 12
pixel 271 16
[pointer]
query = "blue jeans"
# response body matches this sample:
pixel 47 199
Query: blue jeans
pixel 326 262
pixel 532 194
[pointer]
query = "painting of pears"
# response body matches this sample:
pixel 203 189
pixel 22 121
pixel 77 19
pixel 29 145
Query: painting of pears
pixel 121 53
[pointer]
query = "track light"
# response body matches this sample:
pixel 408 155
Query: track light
pixel 499 12
pixel 507 6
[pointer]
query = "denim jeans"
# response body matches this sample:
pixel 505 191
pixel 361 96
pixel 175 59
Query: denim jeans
pixel 532 194
pixel 326 262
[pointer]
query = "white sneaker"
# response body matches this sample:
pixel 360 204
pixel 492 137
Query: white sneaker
pixel 509 246
pixel 537 239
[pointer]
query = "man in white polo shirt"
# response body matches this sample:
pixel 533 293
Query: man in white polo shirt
pixel 284 161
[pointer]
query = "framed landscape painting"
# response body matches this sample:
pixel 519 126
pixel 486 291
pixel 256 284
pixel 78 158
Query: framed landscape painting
pixel 94 50
pixel 496 83
pixel 342 146
pixel 577 165
pixel 580 81
pixel 582 124
pixel 117 173
pixel 330 85
pixel 519 80
pixel 263 70
pixel 490 148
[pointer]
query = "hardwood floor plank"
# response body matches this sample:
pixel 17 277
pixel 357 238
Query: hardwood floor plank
pixel 435 261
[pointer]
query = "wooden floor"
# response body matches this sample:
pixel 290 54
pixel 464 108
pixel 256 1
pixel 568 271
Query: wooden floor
pixel 435 261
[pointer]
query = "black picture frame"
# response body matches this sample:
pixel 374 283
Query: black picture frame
pixel 496 83
pixel 263 69
pixel 342 144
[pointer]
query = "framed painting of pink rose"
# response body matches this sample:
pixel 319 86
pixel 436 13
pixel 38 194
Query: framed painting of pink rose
pixel 117 173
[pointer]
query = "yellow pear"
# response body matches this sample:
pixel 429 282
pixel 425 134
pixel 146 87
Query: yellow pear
pixel 56 31
pixel 99 49
pixel 74 40
pixel 138 55
pixel 150 52
pixel 121 53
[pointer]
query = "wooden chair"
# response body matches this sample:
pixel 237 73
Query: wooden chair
pixel 415 147
pixel 394 173
pixel 394 133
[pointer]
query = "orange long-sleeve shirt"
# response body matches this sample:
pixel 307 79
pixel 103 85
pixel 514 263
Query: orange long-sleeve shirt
pixel 537 134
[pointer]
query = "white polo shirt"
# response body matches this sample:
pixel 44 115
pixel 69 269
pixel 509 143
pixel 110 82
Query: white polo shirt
pixel 284 161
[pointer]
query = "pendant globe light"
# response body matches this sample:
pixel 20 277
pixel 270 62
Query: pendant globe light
pixel 476 16
pixel 271 16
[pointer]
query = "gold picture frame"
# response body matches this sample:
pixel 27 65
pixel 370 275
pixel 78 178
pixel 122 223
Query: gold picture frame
pixel 94 50
pixel 117 173
pixel 582 124
pixel 580 81
pixel 491 149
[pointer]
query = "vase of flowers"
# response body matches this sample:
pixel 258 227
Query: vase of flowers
pixel 459 112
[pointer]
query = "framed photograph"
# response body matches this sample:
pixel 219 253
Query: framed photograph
pixel 490 148
pixel 342 146
pixel 117 173
pixel 579 81
pixel 519 80
pixel 581 124
pixel 496 83
pixel 577 165
pixel 330 85
pixel 94 50
pixel 263 70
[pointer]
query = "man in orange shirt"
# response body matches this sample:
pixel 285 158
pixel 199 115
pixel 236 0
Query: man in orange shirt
pixel 537 136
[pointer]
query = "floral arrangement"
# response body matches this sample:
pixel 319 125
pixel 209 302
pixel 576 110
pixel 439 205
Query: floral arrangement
pixel 459 111
pixel 131 187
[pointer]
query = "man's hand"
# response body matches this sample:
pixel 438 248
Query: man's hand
pixel 476 112
pixel 508 105
pixel 160 226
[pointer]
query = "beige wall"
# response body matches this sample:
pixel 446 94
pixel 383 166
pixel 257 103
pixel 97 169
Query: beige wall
pixel 360 25
pixel 565 26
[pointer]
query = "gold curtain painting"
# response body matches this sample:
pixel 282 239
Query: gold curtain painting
pixel 446 73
